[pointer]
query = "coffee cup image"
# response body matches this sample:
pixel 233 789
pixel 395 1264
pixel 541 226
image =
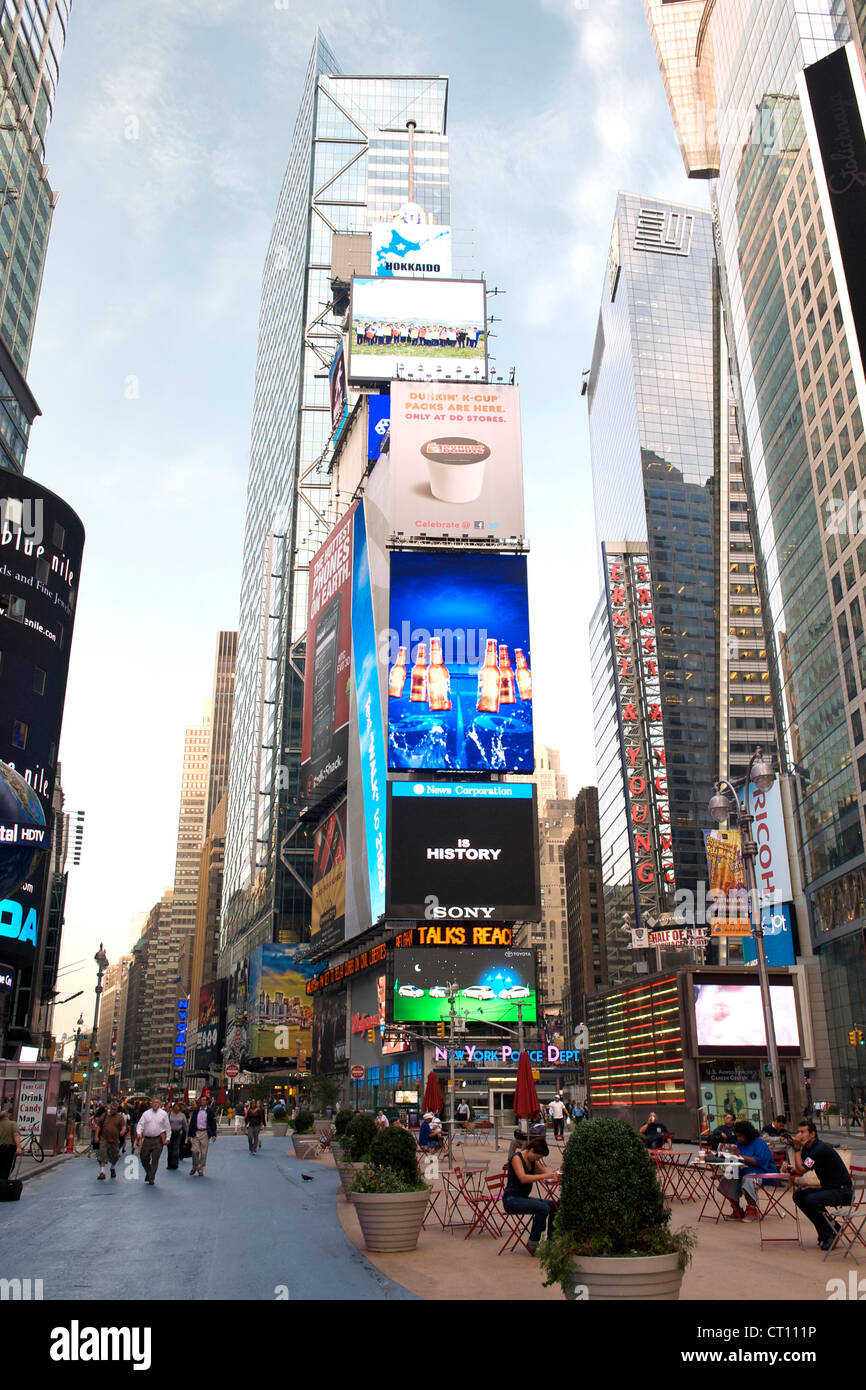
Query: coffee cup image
pixel 456 468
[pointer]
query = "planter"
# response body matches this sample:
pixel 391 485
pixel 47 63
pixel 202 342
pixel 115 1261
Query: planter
pixel 390 1220
pixel 279 1128
pixel 347 1173
pixel 304 1144
pixel 607 1278
pixel 337 1151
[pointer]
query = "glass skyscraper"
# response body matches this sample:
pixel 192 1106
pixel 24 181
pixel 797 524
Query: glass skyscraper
pixel 348 167
pixel 733 73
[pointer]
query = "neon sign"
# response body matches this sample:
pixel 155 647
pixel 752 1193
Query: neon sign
pixel 549 1056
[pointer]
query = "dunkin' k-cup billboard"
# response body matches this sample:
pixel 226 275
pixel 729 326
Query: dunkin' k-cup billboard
pixel 456 462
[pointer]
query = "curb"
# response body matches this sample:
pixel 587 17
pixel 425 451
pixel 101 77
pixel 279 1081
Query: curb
pixel 38 1168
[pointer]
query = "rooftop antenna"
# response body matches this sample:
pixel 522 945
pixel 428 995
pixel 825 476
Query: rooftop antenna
pixel 411 127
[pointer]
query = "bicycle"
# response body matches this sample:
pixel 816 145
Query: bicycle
pixel 31 1147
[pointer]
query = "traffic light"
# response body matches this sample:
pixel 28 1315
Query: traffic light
pixel 855 1037
pixel 97 1065
pixel 440 1028
pixel 371 1035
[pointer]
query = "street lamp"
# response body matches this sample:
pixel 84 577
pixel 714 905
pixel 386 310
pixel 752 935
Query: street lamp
pixel 761 773
pixel 101 966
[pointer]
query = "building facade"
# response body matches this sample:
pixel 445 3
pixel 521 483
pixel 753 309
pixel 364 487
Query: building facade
pixel 800 394
pixel 584 900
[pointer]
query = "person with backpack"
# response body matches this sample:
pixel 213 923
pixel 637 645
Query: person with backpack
pixel 10 1144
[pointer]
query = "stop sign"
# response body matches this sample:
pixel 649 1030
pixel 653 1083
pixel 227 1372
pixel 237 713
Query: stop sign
pixel 232 1070
pixel 357 1073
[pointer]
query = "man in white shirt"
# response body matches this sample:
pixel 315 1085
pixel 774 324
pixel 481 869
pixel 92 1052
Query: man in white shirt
pixel 153 1132
pixel 557 1112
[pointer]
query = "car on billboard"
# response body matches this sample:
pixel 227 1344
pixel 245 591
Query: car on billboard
pixel 410 992
pixel 438 992
pixel 479 992
pixel 515 992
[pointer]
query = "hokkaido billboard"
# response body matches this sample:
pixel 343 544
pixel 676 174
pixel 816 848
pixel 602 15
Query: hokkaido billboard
pixel 418 329
pixel 411 249
pixel 460 682
pixel 456 464
pixel 325 728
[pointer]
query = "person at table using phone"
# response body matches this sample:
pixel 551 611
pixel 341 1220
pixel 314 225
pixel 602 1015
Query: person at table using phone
pixel 525 1168
pixel 776 1130
pixel 755 1158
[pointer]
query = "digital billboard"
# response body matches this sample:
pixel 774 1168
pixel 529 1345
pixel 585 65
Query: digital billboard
pixel 778 937
pixel 211 1013
pixel 329 1032
pixel 490 985
pixel 338 394
pixel 371 740
pixel 378 424
pixel 329 879
pixel 402 248
pixel 393 1038
pixel 456 462
pixel 280 1013
pixel 731 1016
pixel 325 728
pixel 463 852
pixel 460 682
pixel 418 329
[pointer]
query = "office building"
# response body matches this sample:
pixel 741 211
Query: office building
pixel 745 82
pixel 348 167
pixel 584 901
pixel 112 1023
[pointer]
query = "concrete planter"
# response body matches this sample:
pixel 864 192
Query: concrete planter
pixel 277 1128
pixel 337 1150
pixel 304 1144
pixel 644 1278
pixel 347 1173
pixel 390 1220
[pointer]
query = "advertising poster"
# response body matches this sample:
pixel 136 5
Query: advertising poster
pixel 419 329
pixel 237 1016
pixel 338 394
pixel 210 1021
pixel 31 1103
pixel 463 852
pixel 778 937
pixel 491 984
pixel 456 460
pixel 329 879
pixel 732 1016
pixel 378 424
pixel 329 1032
pixel 325 728
pixel 393 1038
pixel 772 872
pixel 728 900
pixel 280 1011
pixel 460 679
pixel 370 717
pixel 411 248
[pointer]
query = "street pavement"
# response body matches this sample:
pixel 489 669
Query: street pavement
pixel 251 1228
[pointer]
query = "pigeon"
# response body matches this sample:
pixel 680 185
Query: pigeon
pixel 308 1177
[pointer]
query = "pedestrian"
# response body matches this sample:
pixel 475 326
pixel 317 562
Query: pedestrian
pixel 153 1132
pixel 239 1121
pixel 179 1130
pixel 557 1112
pixel 524 1168
pixel 10 1144
pixel 203 1128
pixel 578 1113
pixel 110 1132
pixel 255 1124
pixel 382 1120
pixel 812 1155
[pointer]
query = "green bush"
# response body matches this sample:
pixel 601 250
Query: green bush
pixel 342 1120
pixel 610 1202
pixel 303 1122
pixel 375 1179
pixel 358 1138
pixel 279 1114
pixel 395 1148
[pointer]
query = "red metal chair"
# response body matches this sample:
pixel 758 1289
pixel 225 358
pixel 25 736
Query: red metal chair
pixel 487 1206
pixel 770 1191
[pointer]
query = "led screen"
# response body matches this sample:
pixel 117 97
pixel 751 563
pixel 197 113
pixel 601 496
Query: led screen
pixel 421 330
pixel 731 1016
pixel 490 985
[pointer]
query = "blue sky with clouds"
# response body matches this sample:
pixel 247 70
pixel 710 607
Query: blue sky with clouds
pixel 170 136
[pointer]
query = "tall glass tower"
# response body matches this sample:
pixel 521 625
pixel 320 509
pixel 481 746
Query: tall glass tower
pixel 734 72
pixel 348 167
pixel 32 38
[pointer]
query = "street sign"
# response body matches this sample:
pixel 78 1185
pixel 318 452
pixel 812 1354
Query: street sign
pixel 232 1070
pixel 357 1073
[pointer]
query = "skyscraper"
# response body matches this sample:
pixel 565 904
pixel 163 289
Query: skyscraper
pixel 348 167
pixel 681 682
pixel 32 37
pixel 736 76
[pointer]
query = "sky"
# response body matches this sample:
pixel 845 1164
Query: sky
pixel 171 131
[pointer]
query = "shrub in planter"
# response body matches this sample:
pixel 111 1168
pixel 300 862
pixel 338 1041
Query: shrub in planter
pixel 396 1150
pixel 358 1138
pixel 342 1120
pixel 386 1181
pixel 611 1206
pixel 280 1114
pixel 390 1207
pixel 303 1122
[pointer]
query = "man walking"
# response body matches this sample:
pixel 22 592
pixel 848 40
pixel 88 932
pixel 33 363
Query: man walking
pixel 557 1112
pixel 110 1132
pixel 203 1131
pixel 152 1134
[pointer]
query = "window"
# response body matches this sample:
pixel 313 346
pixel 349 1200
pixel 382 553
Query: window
pixel 39 678
pixel 20 732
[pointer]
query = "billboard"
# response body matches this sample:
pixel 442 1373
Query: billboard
pixel 329 1032
pixel 732 1016
pixel 456 461
pixel 460 686
pixel 211 1012
pixel 411 249
pixel 491 985
pixel 329 879
pixel 778 937
pixel 338 394
pixel 772 872
pixel 418 329
pixel 370 717
pixel 393 1038
pixel 378 424
pixel 463 852
pixel 280 1014
pixel 237 1016
pixel 728 909
pixel 325 728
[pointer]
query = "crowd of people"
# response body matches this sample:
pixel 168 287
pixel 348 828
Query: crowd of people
pixel 401 335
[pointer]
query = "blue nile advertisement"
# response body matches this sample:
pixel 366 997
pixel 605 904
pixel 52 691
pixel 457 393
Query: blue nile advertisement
pixel 460 679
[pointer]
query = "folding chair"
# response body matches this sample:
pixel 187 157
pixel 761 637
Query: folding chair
pixel 487 1207
pixel 851 1220
pixel 518 1224
pixel 770 1191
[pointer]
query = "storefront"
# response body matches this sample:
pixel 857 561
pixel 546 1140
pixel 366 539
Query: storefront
pixel 485 1076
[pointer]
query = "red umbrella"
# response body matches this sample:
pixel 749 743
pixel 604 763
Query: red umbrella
pixel 186 1095
pixel 525 1098
pixel 221 1098
pixel 432 1095
pixel 169 1095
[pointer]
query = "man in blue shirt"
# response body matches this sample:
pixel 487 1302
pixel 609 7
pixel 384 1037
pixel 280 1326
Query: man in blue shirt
pixel 756 1160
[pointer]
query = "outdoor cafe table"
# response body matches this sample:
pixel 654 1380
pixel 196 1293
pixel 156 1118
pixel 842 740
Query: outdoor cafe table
pixel 709 1175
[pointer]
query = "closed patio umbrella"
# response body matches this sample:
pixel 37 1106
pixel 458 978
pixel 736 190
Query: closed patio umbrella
pixel 432 1095
pixel 526 1104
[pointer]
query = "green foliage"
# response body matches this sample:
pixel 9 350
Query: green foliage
pixel 279 1114
pixel 376 1179
pixel 358 1138
pixel 326 1090
pixel 610 1202
pixel 342 1120
pixel 396 1149
pixel 303 1122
